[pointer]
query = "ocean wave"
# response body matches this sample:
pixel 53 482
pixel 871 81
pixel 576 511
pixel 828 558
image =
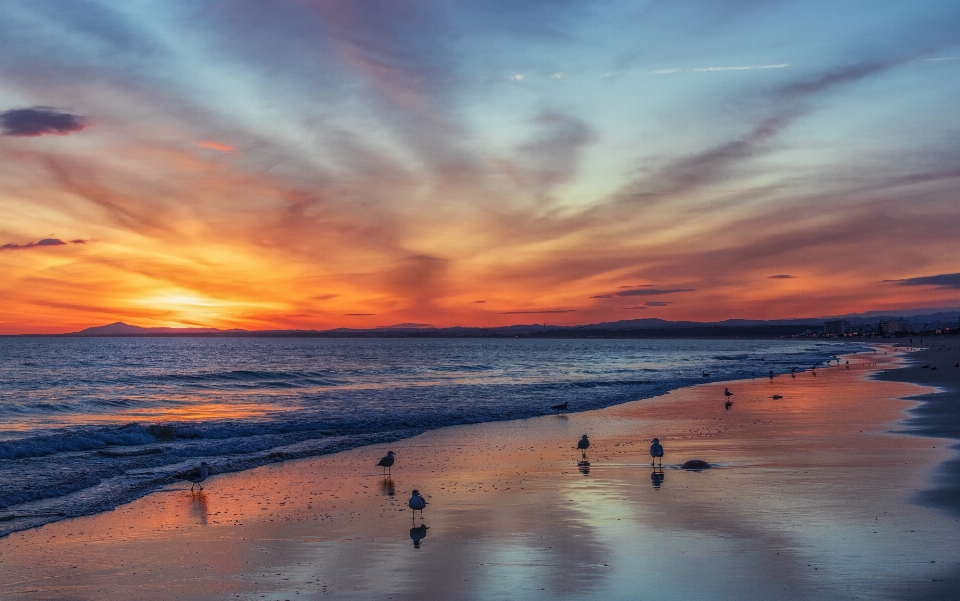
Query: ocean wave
pixel 316 397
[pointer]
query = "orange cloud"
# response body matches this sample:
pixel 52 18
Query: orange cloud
pixel 216 146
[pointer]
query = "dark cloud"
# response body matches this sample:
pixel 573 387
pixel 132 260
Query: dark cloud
pixel 657 303
pixel 359 314
pixel 830 79
pixel 943 280
pixel 324 297
pixel 479 301
pixel 543 311
pixel 781 276
pixel 39 243
pixel 39 120
pixel 643 292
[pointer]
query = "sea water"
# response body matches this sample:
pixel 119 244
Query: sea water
pixel 90 423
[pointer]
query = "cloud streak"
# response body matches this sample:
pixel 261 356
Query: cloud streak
pixel 643 292
pixel 44 243
pixel 943 280
pixel 39 120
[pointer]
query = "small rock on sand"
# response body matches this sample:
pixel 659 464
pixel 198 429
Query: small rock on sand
pixel 695 464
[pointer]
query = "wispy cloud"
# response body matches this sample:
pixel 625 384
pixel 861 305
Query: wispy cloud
pixel 216 146
pixel 46 242
pixel 781 276
pixel 741 68
pixel 943 280
pixel 534 312
pixel 39 120
pixel 643 292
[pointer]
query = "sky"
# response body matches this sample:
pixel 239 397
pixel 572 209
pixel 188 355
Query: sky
pixel 313 165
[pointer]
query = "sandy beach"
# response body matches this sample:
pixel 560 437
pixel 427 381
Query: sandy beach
pixel 829 492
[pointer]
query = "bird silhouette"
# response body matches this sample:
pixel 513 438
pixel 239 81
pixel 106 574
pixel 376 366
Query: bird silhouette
pixel 417 503
pixel 656 450
pixel 727 393
pixel 196 475
pixel 386 462
pixel 583 444
pixel 561 407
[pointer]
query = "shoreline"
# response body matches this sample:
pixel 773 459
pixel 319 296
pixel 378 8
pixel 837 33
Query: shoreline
pixel 938 413
pixel 148 462
pixel 507 503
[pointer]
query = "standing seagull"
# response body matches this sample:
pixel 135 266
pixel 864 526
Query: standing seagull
pixel 386 461
pixel 196 475
pixel 417 503
pixel 727 393
pixel 656 450
pixel 561 407
pixel 583 445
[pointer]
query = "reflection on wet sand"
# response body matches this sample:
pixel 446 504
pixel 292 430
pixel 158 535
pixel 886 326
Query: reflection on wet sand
pixel 199 506
pixel 813 502
pixel 657 477
pixel 417 534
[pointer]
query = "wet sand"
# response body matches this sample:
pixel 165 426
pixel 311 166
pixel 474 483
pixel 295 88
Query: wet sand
pixel 812 497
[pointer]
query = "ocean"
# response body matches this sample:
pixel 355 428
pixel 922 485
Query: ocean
pixel 87 424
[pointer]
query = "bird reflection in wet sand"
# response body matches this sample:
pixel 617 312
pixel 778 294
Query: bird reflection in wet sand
pixel 656 477
pixel 199 506
pixel 417 534
pixel 584 468
pixel 387 488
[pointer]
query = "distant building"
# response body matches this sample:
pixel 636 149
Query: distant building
pixel 836 327
pixel 894 326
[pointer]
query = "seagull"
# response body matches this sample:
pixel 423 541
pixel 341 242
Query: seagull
pixel 386 461
pixel 727 393
pixel 196 475
pixel 561 407
pixel 583 445
pixel 417 503
pixel 656 450
pixel 705 374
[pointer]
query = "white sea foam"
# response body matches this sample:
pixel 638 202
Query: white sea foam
pixel 73 444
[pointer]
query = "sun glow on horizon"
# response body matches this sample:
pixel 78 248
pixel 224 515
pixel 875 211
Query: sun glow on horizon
pixel 354 165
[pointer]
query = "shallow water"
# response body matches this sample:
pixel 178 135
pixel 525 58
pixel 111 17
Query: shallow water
pixel 810 500
pixel 88 423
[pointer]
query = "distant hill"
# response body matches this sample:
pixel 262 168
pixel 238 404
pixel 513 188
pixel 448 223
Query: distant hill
pixel 627 328
pixel 122 329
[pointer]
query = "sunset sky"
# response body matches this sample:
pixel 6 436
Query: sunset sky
pixel 363 164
